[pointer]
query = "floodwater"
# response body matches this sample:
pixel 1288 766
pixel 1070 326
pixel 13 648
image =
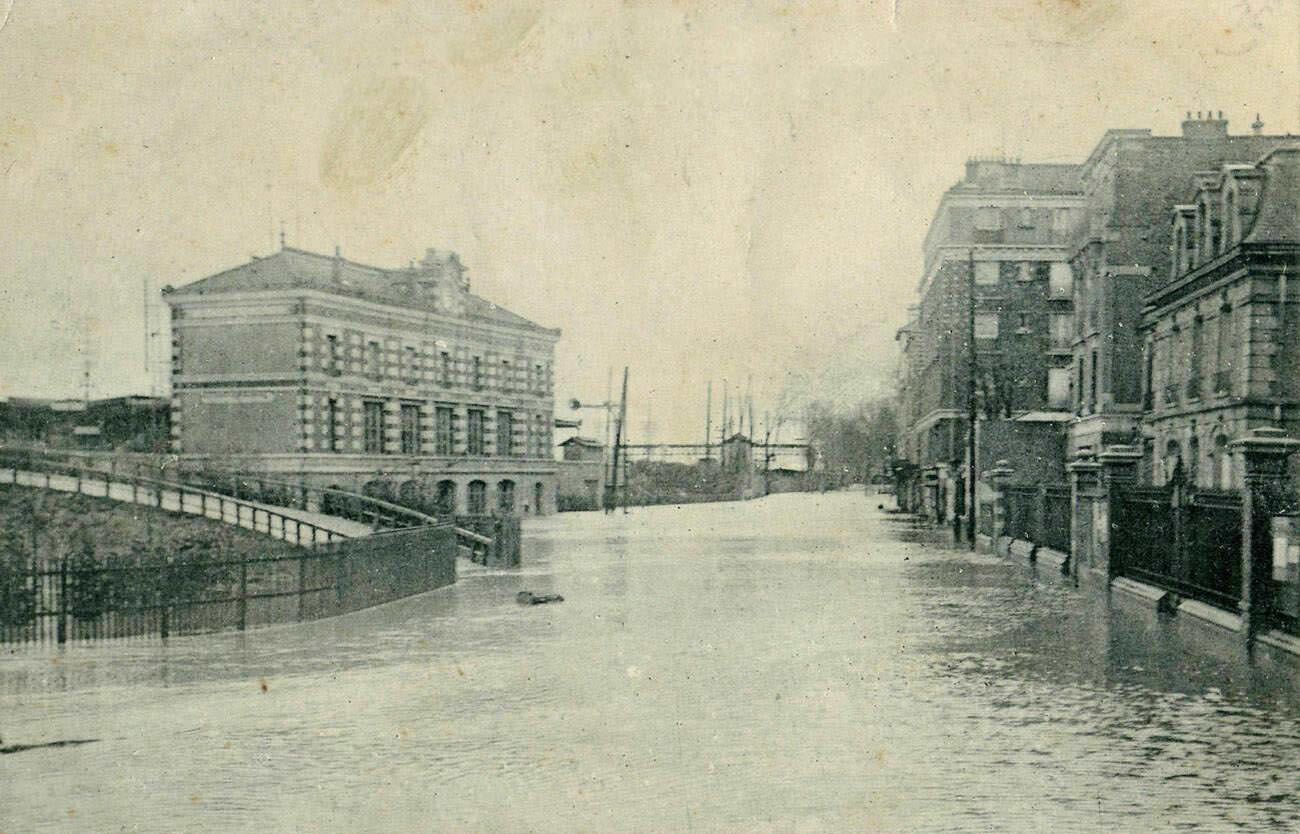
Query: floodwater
pixel 803 663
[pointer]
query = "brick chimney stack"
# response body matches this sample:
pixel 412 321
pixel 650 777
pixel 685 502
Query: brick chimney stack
pixel 1205 127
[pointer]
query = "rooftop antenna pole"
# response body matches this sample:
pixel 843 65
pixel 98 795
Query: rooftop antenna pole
pixel 148 335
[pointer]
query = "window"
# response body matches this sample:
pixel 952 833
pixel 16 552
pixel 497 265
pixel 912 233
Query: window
pixel 1223 351
pixel 1060 281
pixel 1223 459
pixel 442 437
pixel 1022 323
pixel 1178 251
pixel 1194 358
pixel 986 325
pixel 1026 218
pixel 507 383
pixel 373 428
pixel 476 377
pixel 412 369
pixel 987 273
pixel 410 429
pixel 1058 388
pixel 444 369
pixel 1078 389
pixel 446 500
pixel 1229 220
pixel 1092 381
pixel 1194 461
pixel 474 433
pixel 1062 220
pixel 988 219
pixel 374 361
pixel 332 425
pixel 539 378
pixel 477 498
pixel 1062 329
pixel 505 433
pixel 1026 273
pixel 332 359
pixel 506 496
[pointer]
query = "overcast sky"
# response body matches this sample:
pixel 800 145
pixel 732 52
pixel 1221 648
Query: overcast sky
pixel 697 190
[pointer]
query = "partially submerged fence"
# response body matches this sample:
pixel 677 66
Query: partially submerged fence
pixel 1187 542
pixel 1039 514
pixel 88 596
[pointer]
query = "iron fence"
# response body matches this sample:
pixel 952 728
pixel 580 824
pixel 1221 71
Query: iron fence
pixel 89 596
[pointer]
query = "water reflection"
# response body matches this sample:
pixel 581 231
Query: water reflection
pixel 799 663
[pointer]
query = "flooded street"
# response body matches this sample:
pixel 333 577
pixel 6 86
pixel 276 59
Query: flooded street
pixel 800 663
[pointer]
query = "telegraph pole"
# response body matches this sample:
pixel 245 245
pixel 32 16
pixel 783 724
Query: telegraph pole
pixel 618 443
pixel 708 420
pixel 970 400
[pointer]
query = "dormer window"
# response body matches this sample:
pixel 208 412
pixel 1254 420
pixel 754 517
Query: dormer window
pixel 1229 219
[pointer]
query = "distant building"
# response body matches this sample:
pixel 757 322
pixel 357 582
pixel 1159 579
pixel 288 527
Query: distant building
pixel 1120 253
pixel 1010 224
pixel 581 474
pixel 330 372
pixel 131 424
pixel 1220 352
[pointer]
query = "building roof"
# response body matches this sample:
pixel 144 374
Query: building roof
pixel 1279 202
pixel 292 268
pixel 583 441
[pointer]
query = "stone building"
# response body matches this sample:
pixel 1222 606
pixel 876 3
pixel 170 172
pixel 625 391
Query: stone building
pixel 1220 337
pixel 1119 254
pixel 1010 223
pixel 328 372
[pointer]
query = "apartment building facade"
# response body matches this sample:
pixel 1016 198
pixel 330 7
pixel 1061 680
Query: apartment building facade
pixel 1120 253
pixel 1220 338
pixel 1003 232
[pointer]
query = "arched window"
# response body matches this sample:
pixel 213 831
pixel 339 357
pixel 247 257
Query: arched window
pixel 446 502
pixel 1194 461
pixel 477 498
pixel 506 496
pixel 539 495
pixel 1173 463
pixel 409 494
pixel 1223 459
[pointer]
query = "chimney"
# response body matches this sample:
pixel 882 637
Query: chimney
pixel 1205 126
pixel 338 263
pixel 1257 126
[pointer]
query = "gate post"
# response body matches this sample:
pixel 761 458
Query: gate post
pixel 1085 482
pixel 1118 470
pixel 998 477
pixel 1263 453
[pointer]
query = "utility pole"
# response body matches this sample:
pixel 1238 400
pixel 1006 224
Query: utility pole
pixel 726 411
pixel 708 420
pixel 972 368
pixel 618 445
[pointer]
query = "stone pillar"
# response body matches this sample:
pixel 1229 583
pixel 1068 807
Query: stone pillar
pixel 1119 465
pixel 1085 483
pixel 998 477
pixel 1263 452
